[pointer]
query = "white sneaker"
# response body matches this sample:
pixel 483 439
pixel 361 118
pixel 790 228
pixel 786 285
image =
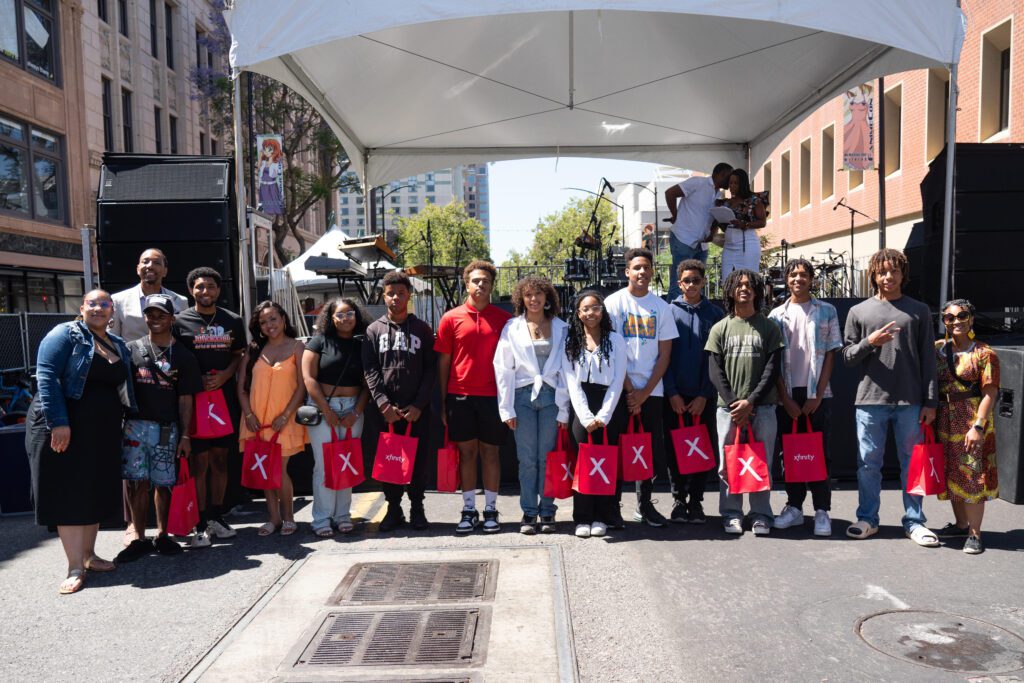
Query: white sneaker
pixel 598 529
pixel 790 517
pixel 201 539
pixel 582 531
pixel 219 530
pixel 733 525
pixel 760 527
pixel 822 523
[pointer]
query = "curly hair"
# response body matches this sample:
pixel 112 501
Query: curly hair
pixel 259 340
pixel 480 264
pixel 690 264
pixel 535 283
pixel 639 252
pixel 895 258
pixel 732 283
pixel 202 271
pixel 325 321
pixel 576 340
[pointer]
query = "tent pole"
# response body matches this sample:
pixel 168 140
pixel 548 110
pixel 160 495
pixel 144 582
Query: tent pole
pixel 947 204
pixel 240 198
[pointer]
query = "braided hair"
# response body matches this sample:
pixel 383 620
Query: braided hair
pixel 576 341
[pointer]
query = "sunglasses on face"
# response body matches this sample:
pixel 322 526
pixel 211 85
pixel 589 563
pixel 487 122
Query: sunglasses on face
pixel 98 304
pixel 961 317
pixel 691 280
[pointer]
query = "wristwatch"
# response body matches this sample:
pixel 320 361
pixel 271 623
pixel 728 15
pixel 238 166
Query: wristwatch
pixel 980 426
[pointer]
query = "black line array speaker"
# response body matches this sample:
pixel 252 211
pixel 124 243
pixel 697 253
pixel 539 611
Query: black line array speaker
pixel 989 236
pixel 182 205
pixel 1009 421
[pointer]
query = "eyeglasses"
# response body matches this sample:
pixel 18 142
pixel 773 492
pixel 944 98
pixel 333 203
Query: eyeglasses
pixel 596 308
pixel 961 317
pixel 99 304
pixel 691 280
pixel 344 315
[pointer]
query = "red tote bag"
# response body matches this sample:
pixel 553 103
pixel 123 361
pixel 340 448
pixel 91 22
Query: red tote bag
pixel 596 468
pixel 211 419
pixel 261 462
pixel 636 451
pixel 558 468
pixel 746 466
pixel 396 455
pixel 183 514
pixel 803 455
pixel 926 475
pixel 694 451
pixel 343 462
pixel 448 466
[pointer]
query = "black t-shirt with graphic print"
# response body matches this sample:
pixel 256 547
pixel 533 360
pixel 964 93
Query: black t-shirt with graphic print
pixel 213 340
pixel 156 398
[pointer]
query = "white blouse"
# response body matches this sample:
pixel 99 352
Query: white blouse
pixel 516 366
pixel 593 368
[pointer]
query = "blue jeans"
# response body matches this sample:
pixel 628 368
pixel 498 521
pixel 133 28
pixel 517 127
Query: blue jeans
pixel 765 425
pixel 536 431
pixel 872 426
pixel 330 505
pixel 681 252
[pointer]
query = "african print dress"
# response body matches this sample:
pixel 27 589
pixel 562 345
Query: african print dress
pixel 970 477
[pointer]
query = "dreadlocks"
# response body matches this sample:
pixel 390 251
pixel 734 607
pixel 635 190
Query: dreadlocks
pixel 895 258
pixel 576 342
pixel 732 283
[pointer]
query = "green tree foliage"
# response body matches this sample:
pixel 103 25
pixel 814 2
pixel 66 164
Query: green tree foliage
pixel 447 223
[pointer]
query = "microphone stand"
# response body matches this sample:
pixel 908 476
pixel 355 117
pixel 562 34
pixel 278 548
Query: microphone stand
pixel 853 212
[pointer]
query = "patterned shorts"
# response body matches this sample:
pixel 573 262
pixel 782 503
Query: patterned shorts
pixel 142 456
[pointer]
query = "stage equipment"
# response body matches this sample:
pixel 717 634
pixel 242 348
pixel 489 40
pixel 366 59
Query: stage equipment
pixel 1009 420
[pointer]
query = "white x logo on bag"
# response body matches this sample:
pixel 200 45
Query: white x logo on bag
pixel 934 473
pixel 694 447
pixel 597 468
pixel 213 415
pixel 747 467
pixel 346 462
pixel 259 463
pixel 637 456
pixel 568 473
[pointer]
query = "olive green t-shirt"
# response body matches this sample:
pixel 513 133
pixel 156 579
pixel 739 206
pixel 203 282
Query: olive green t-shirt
pixel 745 344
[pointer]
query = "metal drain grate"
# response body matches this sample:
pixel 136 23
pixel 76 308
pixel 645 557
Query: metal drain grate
pixel 379 583
pixel 447 637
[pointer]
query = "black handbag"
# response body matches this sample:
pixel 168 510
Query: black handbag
pixel 311 416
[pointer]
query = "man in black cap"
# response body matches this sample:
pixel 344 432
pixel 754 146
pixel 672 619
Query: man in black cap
pixel 166 376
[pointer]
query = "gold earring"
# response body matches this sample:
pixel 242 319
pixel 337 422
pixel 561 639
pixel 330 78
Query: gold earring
pixel 970 335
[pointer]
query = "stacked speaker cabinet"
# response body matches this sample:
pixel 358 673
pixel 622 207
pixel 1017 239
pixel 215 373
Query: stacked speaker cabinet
pixel 182 205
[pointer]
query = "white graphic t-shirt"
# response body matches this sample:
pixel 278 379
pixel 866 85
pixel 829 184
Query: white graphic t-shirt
pixel 642 322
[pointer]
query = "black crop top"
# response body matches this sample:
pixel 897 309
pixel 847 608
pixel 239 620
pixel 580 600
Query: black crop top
pixel 338 356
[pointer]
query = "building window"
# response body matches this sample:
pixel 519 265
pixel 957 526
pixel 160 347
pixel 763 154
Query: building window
pixel 158 130
pixel 213 146
pixel 413 210
pixel 359 200
pixel 344 211
pixel 937 107
pixel 154 39
pixel 430 187
pixel 108 116
pixel 784 189
pixel 360 211
pixel 202 142
pixel 805 173
pixel 31 172
pixel 766 183
pixel 995 80
pixel 343 200
pixel 893 129
pixel 361 222
pixel 396 200
pixel 413 199
pixel 169 35
pixel 28 36
pixel 101 9
pixel 431 199
pixel 828 162
pixel 122 17
pixel 199 48
pixel 126 120
pixel 173 130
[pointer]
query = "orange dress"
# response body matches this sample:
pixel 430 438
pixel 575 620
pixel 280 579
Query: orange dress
pixel 271 390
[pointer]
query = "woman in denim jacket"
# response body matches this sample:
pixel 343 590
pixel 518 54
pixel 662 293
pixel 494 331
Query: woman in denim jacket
pixel 73 435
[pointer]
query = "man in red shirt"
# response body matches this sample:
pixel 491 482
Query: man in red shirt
pixel 466 340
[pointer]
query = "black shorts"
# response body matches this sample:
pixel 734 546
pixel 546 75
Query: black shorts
pixel 475 417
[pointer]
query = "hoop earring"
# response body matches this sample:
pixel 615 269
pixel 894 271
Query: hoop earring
pixel 547 305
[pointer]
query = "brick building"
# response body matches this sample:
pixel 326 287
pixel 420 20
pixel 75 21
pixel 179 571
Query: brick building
pixel 802 171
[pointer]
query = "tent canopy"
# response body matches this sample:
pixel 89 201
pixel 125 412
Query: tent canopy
pixel 416 86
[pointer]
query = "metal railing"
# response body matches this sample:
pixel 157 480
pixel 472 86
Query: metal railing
pixel 20 335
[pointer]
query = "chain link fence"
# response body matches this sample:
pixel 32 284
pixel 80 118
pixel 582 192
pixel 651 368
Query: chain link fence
pixel 20 334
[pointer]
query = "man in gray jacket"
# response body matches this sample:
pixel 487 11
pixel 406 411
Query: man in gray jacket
pixel 890 338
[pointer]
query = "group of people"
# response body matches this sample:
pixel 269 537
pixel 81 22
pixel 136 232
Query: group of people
pixel 117 390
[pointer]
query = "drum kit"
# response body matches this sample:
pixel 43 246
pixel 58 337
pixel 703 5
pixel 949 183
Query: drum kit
pixel 607 272
pixel 830 276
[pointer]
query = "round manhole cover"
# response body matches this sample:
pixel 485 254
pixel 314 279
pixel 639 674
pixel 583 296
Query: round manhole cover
pixel 944 641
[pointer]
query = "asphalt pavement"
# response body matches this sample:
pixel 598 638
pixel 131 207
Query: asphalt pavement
pixel 685 603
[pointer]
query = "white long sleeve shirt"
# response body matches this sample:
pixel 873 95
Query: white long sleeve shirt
pixel 516 366
pixel 592 368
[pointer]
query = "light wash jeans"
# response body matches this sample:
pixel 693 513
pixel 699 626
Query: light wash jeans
pixel 681 252
pixel 872 426
pixel 536 431
pixel 330 506
pixel 765 425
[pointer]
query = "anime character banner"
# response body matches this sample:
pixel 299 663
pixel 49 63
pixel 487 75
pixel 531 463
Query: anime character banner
pixel 859 129
pixel 270 174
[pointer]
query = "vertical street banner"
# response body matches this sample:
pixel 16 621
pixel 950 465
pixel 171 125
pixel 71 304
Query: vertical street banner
pixel 859 129
pixel 270 174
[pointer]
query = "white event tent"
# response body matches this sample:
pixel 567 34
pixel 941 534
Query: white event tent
pixel 412 86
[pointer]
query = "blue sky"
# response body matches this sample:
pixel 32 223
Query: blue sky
pixel 524 191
